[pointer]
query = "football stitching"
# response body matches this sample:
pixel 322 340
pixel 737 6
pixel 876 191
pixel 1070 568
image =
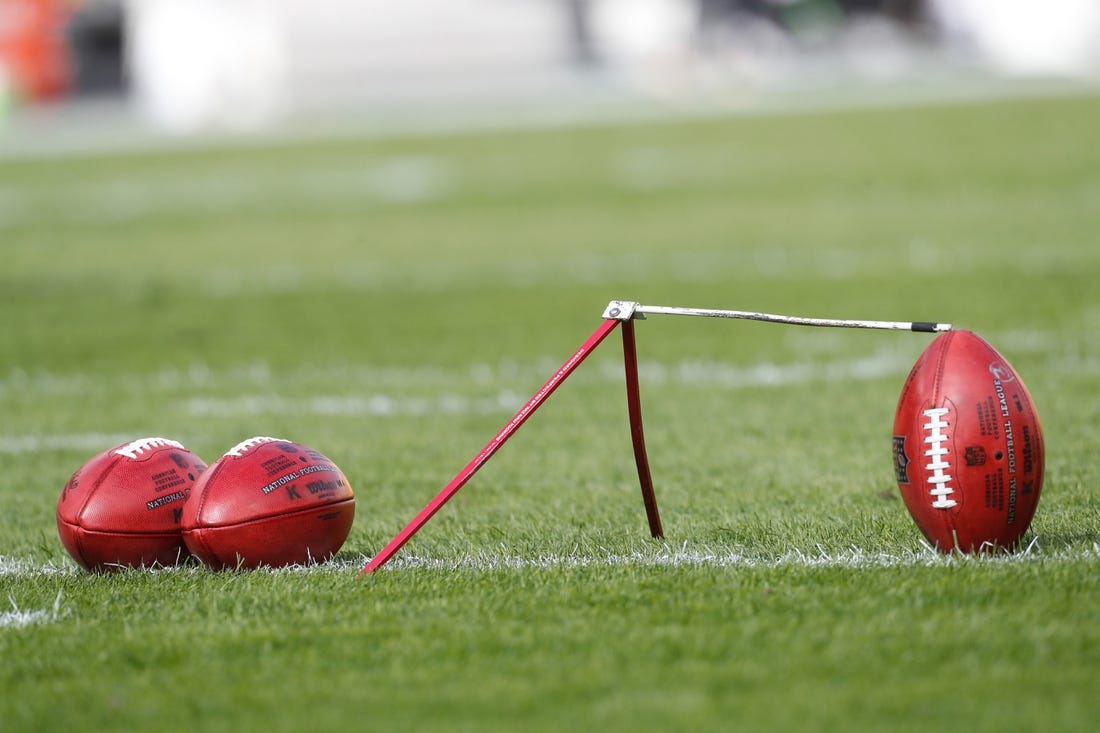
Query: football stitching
pixel 239 449
pixel 937 452
pixel 135 448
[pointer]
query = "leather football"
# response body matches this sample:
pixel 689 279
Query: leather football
pixel 268 502
pixel 123 507
pixel 968 446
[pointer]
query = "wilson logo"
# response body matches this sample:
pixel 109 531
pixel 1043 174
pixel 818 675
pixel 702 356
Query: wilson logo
pixel 937 453
pixel 246 445
pixel 134 450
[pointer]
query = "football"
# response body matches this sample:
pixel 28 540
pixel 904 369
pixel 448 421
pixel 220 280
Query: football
pixel 968 446
pixel 268 502
pixel 123 507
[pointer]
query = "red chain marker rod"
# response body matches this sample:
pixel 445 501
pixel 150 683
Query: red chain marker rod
pixel 487 452
pixel 634 410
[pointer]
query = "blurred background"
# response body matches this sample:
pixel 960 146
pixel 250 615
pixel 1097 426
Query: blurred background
pixel 115 72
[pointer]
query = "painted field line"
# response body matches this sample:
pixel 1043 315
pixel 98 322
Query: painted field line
pixel 222 189
pixel 20 567
pixel 666 556
pixel 373 405
pixel 18 618
pixel 725 375
pixel 377 388
pixel 434 385
pixel 853 558
pixel 61 442
pixel 701 374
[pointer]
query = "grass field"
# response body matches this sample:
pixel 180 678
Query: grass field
pixel 391 302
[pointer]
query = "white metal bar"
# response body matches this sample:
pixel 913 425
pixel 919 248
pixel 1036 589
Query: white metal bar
pixel 623 310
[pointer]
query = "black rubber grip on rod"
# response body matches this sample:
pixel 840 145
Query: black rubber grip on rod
pixel 924 326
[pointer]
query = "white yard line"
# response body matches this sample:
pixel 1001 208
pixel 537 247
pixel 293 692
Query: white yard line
pixel 853 558
pixel 701 374
pixel 825 357
pixel 423 392
pixel 61 442
pixel 425 399
pixel 15 566
pixel 18 618
pixel 375 405
pixel 378 180
pixel 664 556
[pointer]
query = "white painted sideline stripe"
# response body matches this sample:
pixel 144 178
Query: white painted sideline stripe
pixel 852 558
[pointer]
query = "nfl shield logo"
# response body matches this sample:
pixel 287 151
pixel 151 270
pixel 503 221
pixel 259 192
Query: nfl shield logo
pixel 901 461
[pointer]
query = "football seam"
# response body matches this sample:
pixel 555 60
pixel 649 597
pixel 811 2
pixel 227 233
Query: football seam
pixel 80 551
pixel 214 471
pixel 940 361
pixel 121 532
pixel 78 515
pixel 276 515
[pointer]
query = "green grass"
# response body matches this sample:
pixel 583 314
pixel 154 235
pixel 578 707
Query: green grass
pixel 392 302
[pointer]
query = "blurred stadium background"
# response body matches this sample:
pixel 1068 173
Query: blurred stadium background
pixel 112 72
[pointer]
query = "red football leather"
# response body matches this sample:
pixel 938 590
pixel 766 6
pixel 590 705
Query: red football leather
pixel 268 502
pixel 123 507
pixel 968 446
